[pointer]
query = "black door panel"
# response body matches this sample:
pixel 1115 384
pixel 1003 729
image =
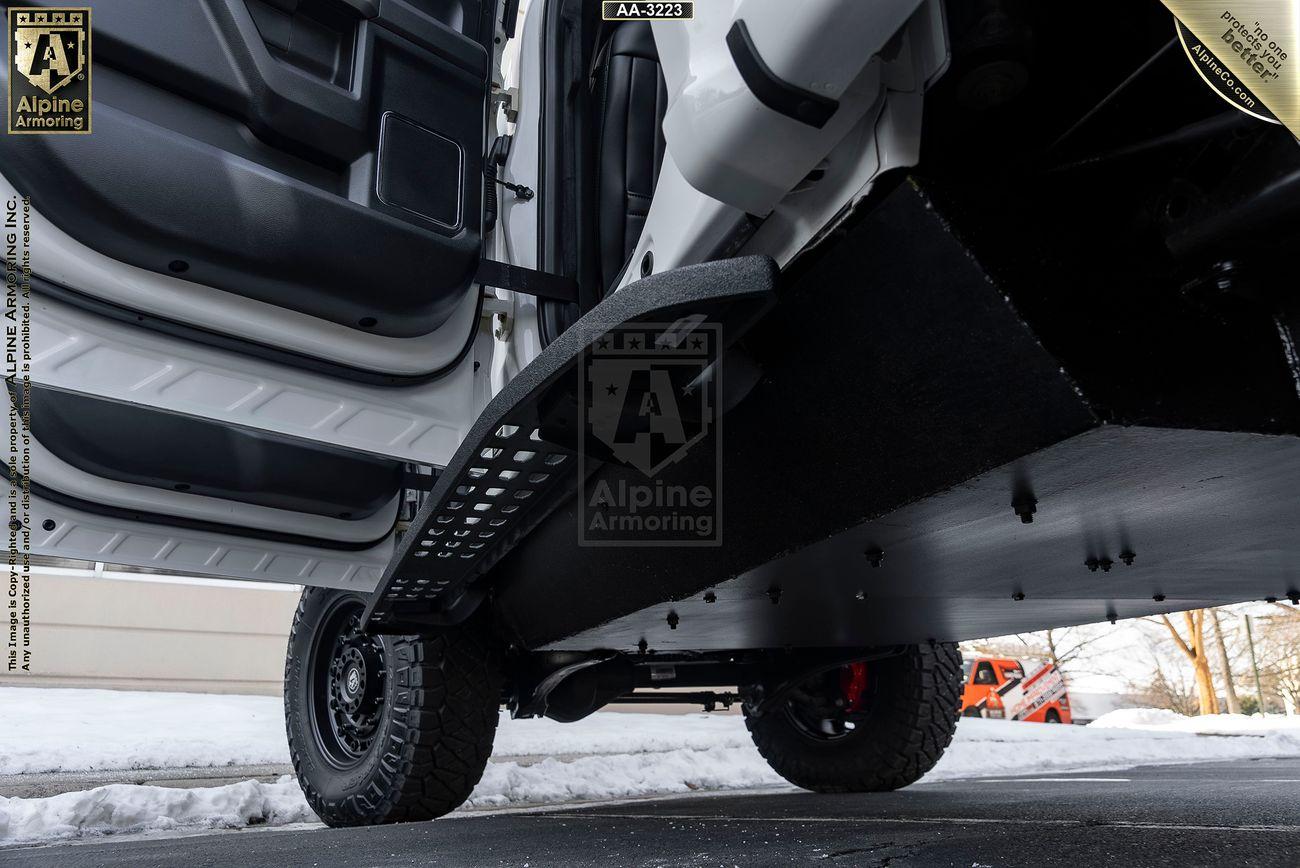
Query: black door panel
pixel 237 144
pixel 143 446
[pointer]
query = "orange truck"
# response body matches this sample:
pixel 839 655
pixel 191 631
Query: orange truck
pixel 997 687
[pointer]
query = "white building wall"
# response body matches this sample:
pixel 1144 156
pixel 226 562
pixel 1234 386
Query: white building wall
pixel 135 632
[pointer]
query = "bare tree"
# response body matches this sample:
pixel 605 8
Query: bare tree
pixel 1229 688
pixel 1194 649
pixel 1068 648
pixel 1166 688
pixel 1278 640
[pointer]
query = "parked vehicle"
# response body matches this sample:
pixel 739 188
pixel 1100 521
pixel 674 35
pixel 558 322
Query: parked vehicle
pixel 997 687
pixel 954 339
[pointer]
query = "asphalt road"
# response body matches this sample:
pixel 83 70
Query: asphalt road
pixel 1244 813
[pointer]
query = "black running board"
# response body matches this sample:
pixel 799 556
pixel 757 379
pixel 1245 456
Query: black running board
pixel 531 432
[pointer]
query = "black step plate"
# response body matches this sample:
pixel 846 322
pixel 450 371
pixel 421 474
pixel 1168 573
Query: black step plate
pixel 523 447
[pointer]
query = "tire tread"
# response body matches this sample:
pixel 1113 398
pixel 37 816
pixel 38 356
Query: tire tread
pixel 913 724
pixel 445 702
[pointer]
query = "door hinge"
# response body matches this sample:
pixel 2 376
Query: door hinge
pixel 505 99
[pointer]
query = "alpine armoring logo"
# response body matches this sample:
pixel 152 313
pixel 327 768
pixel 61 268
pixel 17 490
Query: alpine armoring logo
pixel 650 416
pixel 49 70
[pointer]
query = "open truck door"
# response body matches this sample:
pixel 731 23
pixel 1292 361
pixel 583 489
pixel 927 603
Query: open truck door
pixel 253 294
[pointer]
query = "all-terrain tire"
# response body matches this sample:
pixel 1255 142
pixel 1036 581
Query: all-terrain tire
pixel 434 728
pixel 909 722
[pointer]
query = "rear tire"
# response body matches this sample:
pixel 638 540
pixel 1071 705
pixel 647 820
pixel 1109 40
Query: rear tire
pixel 908 715
pixel 1052 716
pixel 386 729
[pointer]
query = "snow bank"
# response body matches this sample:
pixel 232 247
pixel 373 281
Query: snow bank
pixel 126 808
pixel 1137 718
pixel 1163 720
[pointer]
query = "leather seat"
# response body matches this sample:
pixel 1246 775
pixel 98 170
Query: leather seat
pixel 632 99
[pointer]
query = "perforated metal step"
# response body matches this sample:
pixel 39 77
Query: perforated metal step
pixel 520 458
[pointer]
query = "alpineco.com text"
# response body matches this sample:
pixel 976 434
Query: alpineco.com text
pixel 1212 69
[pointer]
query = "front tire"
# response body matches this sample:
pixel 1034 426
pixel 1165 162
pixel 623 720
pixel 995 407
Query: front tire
pixel 885 736
pixel 386 729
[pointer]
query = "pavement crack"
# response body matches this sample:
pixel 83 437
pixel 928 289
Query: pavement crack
pixel 852 851
pixel 884 860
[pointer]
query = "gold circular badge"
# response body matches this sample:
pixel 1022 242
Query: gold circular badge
pixel 1249 48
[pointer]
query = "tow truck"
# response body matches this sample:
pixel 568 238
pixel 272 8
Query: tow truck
pixel 997 687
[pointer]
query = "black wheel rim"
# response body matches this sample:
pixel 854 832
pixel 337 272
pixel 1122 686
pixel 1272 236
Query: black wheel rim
pixel 820 711
pixel 348 676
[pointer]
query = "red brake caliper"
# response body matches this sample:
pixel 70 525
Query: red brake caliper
pixel 853 683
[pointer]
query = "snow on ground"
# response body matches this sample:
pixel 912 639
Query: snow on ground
pixel 993 748
pixel 608 755
pixel 65 730
pixel 621 776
